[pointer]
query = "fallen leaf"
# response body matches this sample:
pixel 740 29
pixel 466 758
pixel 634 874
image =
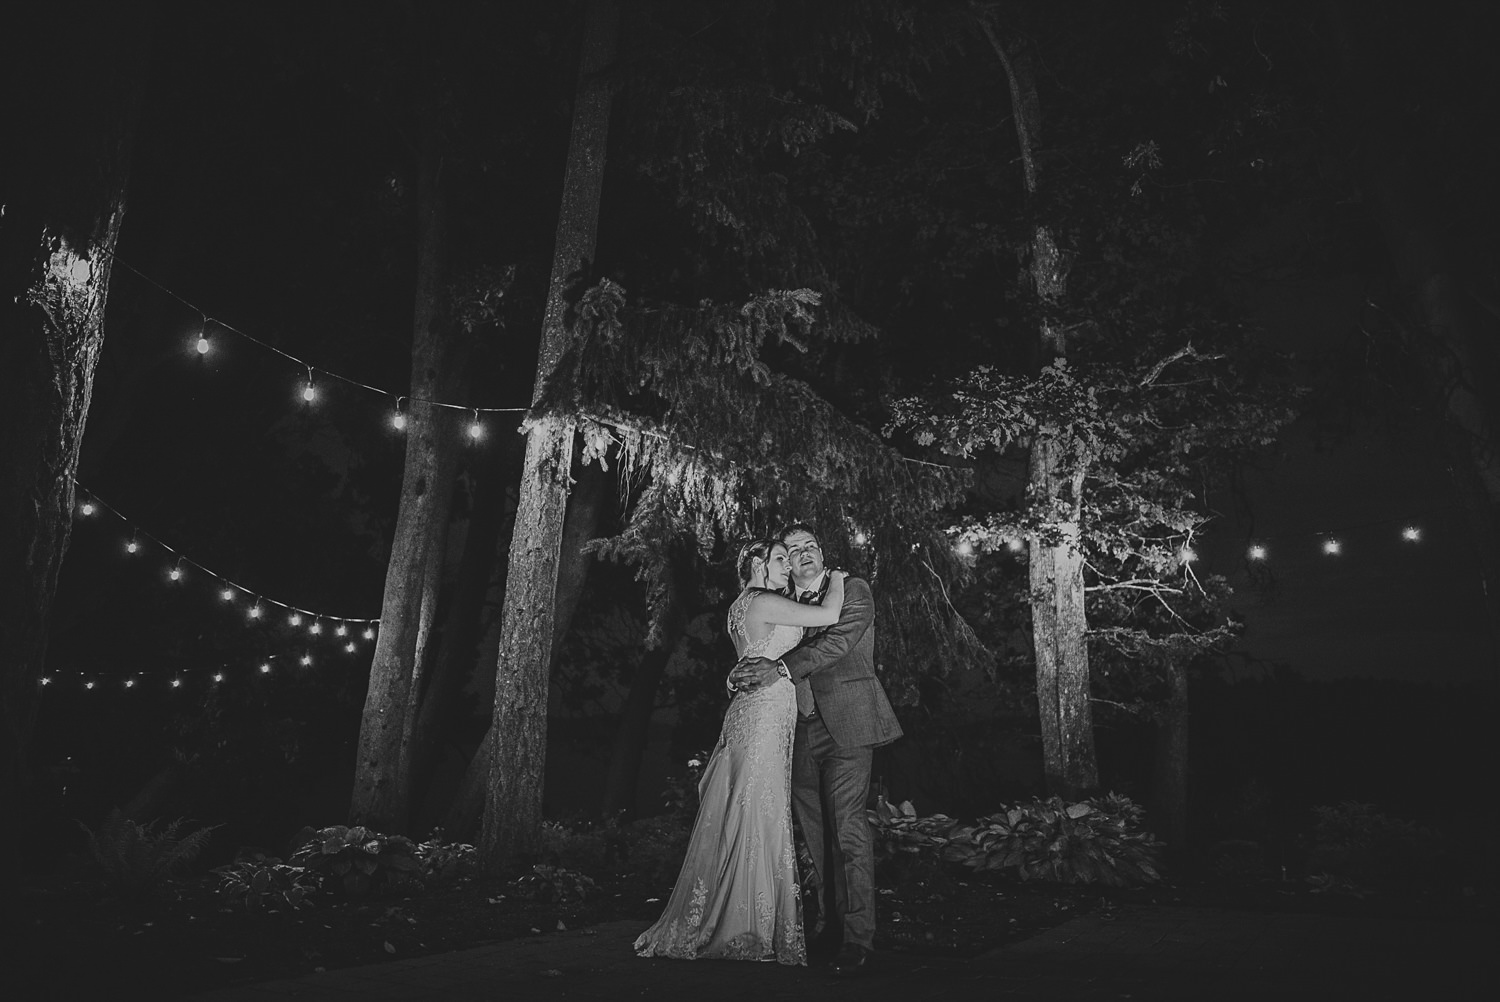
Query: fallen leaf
pixel 561 927
pixel 389 948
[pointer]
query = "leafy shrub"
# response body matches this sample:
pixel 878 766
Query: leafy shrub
pixel 898 828
pixel 1098 840
pixel 1354 842
pixel 136 858
pixel 260 881
pixel 363 860
pixel 554 884
pixel 444 862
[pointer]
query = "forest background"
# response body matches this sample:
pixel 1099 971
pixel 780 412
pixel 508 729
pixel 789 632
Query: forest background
pixel 1243 176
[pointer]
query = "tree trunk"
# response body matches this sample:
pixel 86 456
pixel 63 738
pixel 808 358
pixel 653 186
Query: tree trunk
pixel 382 777
pixel 1059 622
pixel 585 507
pixel 513 801
pixel 1170 788
pixel 634 728
pixel 1059 634
pixel 66 181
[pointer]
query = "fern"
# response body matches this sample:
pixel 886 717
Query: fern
pixel 136 858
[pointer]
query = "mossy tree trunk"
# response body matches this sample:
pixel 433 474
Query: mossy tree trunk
pixel 382 796
pixel 1058 464
pixel 518 738
pixel 66 178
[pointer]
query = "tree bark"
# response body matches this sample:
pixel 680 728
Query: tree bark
pixel 1059 621
pixel 382 776
pixel 64 204
pixel 513 801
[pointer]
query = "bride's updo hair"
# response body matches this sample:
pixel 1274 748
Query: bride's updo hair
pixel 756 549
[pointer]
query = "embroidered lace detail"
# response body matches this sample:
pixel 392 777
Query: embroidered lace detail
pixel 737 895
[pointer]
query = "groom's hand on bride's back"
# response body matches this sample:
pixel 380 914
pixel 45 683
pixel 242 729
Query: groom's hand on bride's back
pixel 753 673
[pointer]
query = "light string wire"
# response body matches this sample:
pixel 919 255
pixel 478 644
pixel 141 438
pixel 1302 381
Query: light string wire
pixel 207 319
pixel 346 631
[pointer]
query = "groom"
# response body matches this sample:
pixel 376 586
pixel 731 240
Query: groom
pixel 842 716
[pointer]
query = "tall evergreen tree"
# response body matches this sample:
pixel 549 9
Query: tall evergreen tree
pixel 63 203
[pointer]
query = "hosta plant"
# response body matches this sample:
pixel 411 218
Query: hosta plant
pixel 361 860
pixel 898 828
pixel 555 884
pixel 265 882
pixel 1092 841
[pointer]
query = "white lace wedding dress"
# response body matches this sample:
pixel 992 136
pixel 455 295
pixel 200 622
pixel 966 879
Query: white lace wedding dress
pixel 736 897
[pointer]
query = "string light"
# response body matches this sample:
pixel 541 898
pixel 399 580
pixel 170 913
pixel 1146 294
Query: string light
pixel 1332 547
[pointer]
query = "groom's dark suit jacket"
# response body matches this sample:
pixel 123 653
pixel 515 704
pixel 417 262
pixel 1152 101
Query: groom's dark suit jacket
pixel 839 663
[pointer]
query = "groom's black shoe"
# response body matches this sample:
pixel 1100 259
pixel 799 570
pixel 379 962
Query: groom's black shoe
pixel 852 960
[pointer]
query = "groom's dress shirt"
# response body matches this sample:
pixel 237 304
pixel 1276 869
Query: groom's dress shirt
pixel 807 707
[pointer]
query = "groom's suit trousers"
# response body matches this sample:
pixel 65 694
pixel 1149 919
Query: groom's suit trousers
pixel 836 827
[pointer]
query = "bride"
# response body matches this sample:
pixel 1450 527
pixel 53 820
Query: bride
pixel 736 897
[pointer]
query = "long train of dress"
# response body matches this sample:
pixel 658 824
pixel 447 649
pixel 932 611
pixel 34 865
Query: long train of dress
pixel 736 897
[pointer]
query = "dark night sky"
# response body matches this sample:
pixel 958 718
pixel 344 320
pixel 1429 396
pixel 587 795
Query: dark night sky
pixel 247 149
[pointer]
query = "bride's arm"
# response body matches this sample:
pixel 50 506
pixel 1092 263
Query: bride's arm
pixel 769 607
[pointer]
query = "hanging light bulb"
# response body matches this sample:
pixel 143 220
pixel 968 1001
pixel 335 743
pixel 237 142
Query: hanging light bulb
pixel 1257 552
pixel 203 344
pixel 398 419
pixel 1332 547
pixel 1013 545
pixel 349 647
pixel 309 391
pixel 340 630
pixel 130 683
pixel 87 508
pixel 860 539
pixel 295 619
pixel 964 548
pixel 255 611
pixel 1411 534
pixel 227 594
pixel 476 430
pixel 88 685
pixel 317 627
pixel 265 669
pixel 132 546
pixel 306 660
pixel 218 676
pixel 175 573
pixel 369 634
pixel 46 680
pixel 177 683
